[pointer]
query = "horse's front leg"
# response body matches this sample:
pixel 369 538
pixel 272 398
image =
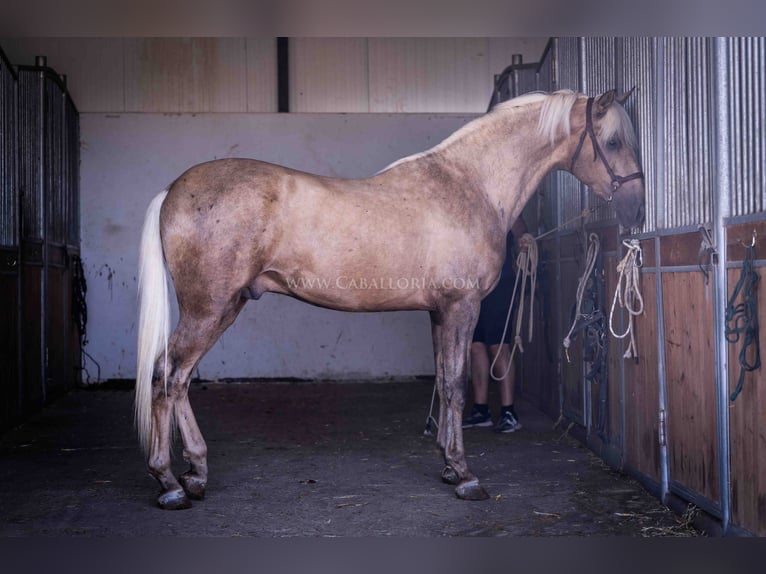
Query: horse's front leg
pixel 456 324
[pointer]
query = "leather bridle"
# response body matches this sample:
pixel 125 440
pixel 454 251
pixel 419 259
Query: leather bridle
pixel 617 180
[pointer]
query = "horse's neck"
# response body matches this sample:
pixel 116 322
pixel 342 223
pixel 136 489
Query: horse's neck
pixel 510 162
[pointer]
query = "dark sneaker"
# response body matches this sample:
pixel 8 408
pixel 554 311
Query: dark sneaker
pixel 477 419
pixel 508 423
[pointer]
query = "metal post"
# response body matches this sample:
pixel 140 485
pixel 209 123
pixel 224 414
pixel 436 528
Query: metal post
pixel 40 62
pixel 722 211
pixel 659 218
pixel 582 57
pixel 662 384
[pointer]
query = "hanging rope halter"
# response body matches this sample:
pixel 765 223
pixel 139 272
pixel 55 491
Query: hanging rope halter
pixel 598 153
pixel 742 318
pixel 628 296
pixel 594 245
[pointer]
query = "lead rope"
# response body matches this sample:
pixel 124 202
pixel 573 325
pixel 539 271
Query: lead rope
pixel 526 268
pixel 594 246
pixel 629 297
pixel 527 263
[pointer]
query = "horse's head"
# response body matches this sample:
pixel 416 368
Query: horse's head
pixel 606 157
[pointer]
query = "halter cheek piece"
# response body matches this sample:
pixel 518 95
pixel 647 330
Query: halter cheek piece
pixel 617 180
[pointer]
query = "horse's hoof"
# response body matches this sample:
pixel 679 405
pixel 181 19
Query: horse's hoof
pixel 174 500
pixel 450 476
pixel 193 486
pixel 471 490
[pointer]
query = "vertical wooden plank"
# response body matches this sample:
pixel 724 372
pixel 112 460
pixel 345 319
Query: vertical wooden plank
pixel 31 337
pixel 642 451
pixel 261 74
pixel 539 378
pixel 572 370
pixel 9 343
pixel 747 435
pixel 328 75
pixel 429 75
pixel 59 320
pixel 614 353
pixel 185 75
pixel 690 372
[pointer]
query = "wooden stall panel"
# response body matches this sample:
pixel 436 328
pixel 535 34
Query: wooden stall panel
pixel 572 369
pixel 606 418
pixel 747 430
pixel 185 75
pixel 261 74
pixel 31 337
pixel 614 351
pixel 9 342
pixel 642 450
pixel 58 331
pixel 329 75
pixel 690 373
pixel 539 375
pixel 413 75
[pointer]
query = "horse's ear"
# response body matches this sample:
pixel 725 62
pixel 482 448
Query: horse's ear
pixel 624 97
pixel 604 101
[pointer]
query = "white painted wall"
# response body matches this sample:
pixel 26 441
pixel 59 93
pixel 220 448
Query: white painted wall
pixel 128 158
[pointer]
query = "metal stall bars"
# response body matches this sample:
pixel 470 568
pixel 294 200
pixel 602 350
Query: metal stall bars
pixel 740 217
pixel 10 255
pixel 689 410
pixel 48 141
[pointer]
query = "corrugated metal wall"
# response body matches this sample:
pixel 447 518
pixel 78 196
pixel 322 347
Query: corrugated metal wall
pixel 747 121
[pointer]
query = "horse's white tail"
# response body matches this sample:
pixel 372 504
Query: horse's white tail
pixel 153 318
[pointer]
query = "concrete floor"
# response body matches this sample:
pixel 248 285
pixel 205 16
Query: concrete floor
pixel 319 459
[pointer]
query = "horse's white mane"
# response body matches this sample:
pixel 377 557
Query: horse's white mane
pixel 553 122
pixel 554 119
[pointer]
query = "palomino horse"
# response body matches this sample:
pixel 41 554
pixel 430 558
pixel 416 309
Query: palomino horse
pixel 232 229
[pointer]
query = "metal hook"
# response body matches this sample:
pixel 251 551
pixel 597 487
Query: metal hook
pixel 752 242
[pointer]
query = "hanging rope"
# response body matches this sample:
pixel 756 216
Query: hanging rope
pixel 80 313
pixel 742 318
pixel 526 269
pixel 629 295
pixel 79 306
pixel 526 266
pixel 594 246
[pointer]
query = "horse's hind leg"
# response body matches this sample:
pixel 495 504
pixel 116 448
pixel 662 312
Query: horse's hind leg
pixel 191 339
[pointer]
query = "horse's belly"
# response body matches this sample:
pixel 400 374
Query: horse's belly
pixel 353 293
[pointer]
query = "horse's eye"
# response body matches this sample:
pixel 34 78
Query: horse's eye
pixel 613 144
